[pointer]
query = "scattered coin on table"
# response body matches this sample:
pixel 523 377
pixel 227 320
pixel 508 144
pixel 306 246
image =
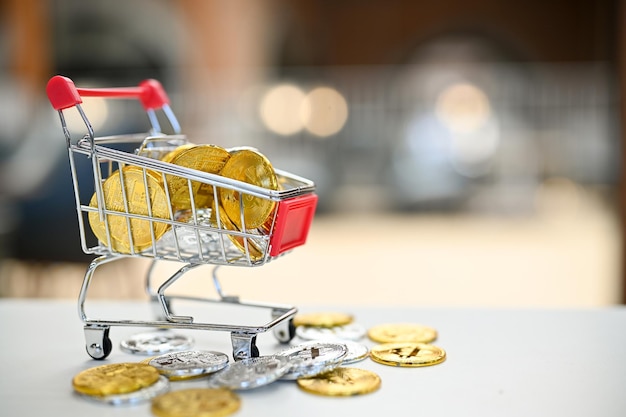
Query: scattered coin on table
pixel 156 343
pixel 341 382
pixel 402 332
pixel 115 378
pixel 407 354
pixel 322 319
pixel 251 373
pixel 196 402
pixel 189 363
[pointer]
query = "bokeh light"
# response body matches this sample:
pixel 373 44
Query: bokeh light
pixel 97 111
pixel 463 107
pixel 325 111
pixel 281 109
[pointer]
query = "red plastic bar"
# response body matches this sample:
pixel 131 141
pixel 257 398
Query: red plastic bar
pixel 293 221
pixel 63 94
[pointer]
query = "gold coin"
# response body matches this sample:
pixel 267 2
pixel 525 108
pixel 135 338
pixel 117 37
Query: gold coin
pixel 255 250
pixel 322 319
pixel 407 354
pixel 196 402
pixel 205 158
pixel 115 378
pixel 250 166
pixel 172 154
pixel 402 332
pixel 341 382
pixel 137 204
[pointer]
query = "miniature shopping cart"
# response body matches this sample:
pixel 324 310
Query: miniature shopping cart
pixel 193 239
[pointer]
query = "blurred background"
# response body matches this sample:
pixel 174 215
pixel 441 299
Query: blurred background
pixel 466 152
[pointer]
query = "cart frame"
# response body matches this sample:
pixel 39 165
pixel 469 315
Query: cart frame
pixel 193 242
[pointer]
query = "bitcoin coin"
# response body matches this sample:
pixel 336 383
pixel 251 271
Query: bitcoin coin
pixel 139 202
pixel 312 358
pixel 115 378
pixel 196 402
pixel 254 168
pixel 189 363
pixel 402 332
pixel 176 378
pixel 341 382
pixel 249 245
pixel 205 158
pixel 356 352
pixel 251 373
pixel 323 319
pixel 135 397
pixel 352 331
pixel 407 354
pixel 173 154
pixel 156 343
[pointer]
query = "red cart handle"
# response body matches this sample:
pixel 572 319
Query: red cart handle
pixel 63 94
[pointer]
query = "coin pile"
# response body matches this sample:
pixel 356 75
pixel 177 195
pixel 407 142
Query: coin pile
pixel 405 345
pixel 149 196
pixel 317 365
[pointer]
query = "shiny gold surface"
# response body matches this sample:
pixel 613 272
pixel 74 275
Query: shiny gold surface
pixel 137 204
pixel 173 154
pixel 252 167
pixel 407 354
pixel 402 332
pixel 196 402
pixel 323 319
pixel 115 378
pixel 205 158
pixel 341 382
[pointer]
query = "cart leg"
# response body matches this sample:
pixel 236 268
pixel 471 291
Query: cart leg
pixel 164 302
pixel 284 331
pixel 84 289
pixel 244 346
pixel 97 341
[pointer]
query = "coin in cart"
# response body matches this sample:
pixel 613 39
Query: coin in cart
pixel 189 363
pixel 322 319
pixel 312 358
pixel 130 196
pixel 408 354
pixel 251 373
pixel 196 402
pixel 156 343
pixel 402 332
pixel 254 247
pixel 115 379
pixel 252 167
pixel 206 158
pixel 341 382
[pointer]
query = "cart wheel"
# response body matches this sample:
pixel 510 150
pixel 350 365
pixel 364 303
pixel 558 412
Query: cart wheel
pixel 285 331
pixel 254 351
pixel 99 345
pixel 244 346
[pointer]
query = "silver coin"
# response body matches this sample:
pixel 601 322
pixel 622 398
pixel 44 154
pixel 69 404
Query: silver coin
pixel 189 363
pixel 312 358
pixel 352 331
pixel 161 386
pixel 251 373
pixel 356 352
pixel 156 343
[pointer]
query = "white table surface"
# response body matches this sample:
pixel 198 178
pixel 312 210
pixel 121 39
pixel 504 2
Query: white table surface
pixel 500 363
